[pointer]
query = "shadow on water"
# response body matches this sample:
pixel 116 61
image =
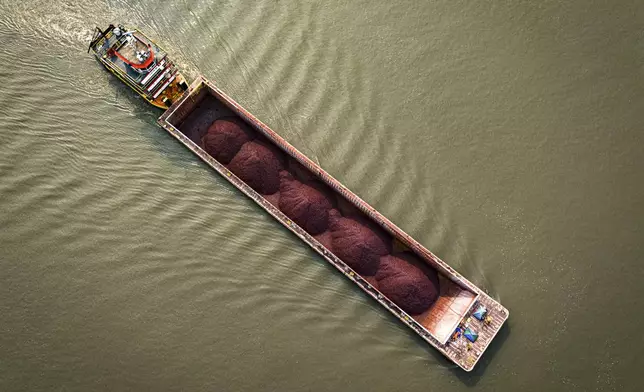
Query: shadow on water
pixel 124 98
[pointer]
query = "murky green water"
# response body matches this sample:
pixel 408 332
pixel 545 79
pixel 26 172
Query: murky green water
pixel 505 136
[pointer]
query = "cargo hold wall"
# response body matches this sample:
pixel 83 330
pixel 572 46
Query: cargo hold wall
pixel 387 263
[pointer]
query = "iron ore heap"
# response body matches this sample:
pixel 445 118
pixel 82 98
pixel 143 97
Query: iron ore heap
pixel 408 282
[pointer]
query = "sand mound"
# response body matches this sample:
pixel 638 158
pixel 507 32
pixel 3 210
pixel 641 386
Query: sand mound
pixel 274 199
pixel 258 165
pixel 357 243
pixel 372 281
pixel 305 205
pixel 325 239
pixel 409 287
pixel 225 137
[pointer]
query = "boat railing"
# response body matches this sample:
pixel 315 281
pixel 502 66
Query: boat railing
pixel 98 35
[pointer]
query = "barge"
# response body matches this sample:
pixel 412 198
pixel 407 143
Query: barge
pixel 462 319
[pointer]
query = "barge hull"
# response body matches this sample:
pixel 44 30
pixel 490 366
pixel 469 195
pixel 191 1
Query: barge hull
pixel 460 351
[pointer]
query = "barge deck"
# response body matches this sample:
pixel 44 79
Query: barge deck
pixel 463 321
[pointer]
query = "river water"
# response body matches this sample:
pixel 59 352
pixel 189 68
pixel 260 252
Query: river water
pixel 505 136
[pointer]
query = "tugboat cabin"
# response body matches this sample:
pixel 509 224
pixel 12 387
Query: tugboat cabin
pixel 140 63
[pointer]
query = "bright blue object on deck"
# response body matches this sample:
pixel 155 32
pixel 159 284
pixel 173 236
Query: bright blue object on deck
pixel 470 335
pixel 480 312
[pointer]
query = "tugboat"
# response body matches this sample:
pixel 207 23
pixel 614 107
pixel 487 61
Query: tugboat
pixel 139 63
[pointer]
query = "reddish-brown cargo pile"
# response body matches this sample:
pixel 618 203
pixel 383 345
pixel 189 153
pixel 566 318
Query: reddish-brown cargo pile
pixel 358 244
pixel 293 189
pixel 225 137
pixel 258 165
pixel 411 288
pixel 307 206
